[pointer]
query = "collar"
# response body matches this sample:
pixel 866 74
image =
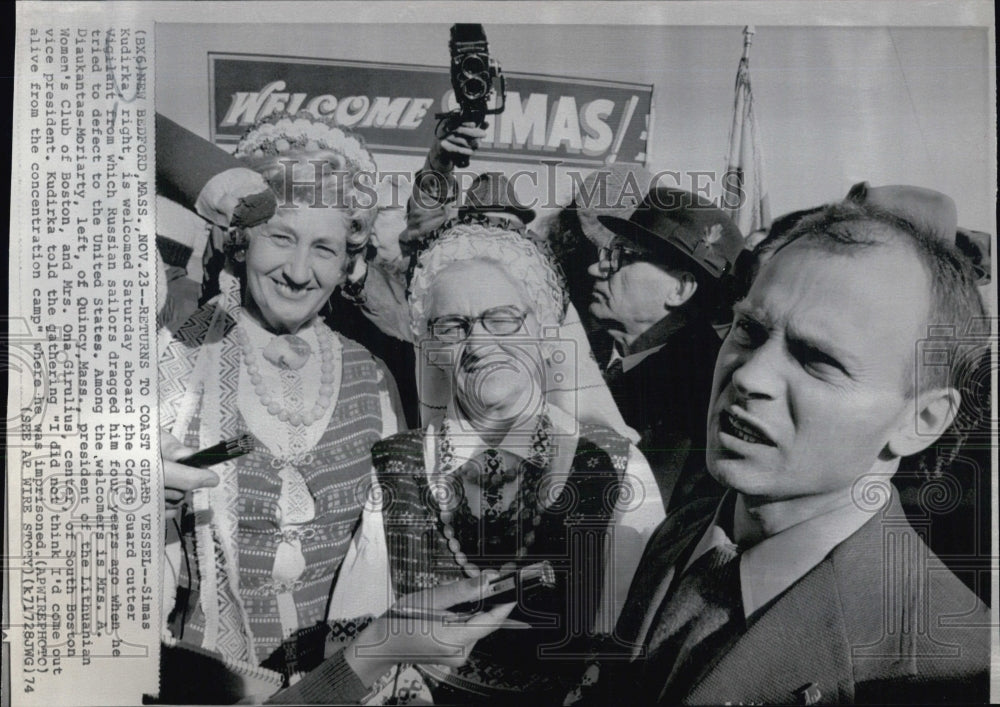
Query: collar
pixel 632 360
pixel 655 337
pixel 776 563
pixel 564 435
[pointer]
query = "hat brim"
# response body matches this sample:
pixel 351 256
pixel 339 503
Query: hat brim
pixel 658 247
pixel 526 215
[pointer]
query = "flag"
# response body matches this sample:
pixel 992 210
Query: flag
pixel 745 198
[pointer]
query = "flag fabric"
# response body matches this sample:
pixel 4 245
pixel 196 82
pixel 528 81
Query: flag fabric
pixel 745 198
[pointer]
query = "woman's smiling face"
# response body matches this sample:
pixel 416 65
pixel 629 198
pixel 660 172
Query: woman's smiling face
pixel 293 264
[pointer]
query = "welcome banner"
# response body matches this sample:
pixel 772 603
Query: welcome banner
pixel 573 120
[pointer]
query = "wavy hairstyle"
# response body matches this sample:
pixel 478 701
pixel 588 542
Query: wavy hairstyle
pixel 309 162
pixel 518 256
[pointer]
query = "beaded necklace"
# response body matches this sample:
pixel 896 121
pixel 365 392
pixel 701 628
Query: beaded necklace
pixel 525 504
pixel 324 338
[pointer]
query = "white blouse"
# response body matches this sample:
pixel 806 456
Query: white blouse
pixel 365 584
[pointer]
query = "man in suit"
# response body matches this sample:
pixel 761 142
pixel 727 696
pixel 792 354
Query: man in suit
pixel 656 288
pixel 807 583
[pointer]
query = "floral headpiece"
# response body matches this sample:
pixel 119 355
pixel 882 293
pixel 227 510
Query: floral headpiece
pixel 415 246
pixel 281 133
pixel 471 241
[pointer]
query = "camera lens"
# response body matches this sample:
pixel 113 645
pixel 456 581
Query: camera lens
pixel 473 64
pixel 474 88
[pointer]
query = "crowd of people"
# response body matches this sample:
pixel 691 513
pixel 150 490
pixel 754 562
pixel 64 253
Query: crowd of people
pixel 697 439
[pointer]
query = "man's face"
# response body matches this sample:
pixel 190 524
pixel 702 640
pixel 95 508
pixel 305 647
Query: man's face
pixel 632 299
pixel 811 381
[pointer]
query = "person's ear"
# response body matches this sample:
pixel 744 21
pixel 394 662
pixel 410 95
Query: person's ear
pixel 935 411
pixel 683 289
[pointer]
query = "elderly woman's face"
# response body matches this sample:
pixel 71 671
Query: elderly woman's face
pixel 293 264
pixel 498 378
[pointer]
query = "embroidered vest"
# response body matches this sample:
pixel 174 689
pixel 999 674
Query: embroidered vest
pixel 571 535
pixel 337 474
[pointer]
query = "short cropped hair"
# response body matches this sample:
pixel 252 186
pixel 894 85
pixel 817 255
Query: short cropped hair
pixel 849 227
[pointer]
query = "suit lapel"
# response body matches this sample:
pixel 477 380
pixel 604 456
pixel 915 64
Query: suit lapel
pixel 798 649
pixel 672 542
pixel 797 646
pixel 805 637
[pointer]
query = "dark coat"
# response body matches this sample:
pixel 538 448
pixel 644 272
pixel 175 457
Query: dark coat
pixel 879 620
pixel 665 399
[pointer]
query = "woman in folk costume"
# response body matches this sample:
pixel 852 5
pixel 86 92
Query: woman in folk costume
pixel 264 547
pixel 504 479
pixel 489 199
pixel 507 476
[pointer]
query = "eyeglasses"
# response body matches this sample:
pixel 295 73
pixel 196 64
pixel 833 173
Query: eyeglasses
pixel 611 259
pixel 499 321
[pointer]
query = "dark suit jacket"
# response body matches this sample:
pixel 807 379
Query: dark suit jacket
pixel 665 399
pixel 879 620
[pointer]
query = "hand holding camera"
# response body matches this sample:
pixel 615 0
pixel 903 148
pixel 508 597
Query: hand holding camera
pixel 475 78
pixel 458 143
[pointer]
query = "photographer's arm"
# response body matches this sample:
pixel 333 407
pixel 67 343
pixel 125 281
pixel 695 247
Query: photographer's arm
pixel 434 186
pixel 431 203
pixel 208 180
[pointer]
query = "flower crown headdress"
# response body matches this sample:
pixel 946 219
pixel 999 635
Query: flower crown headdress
pixel 282 133
pixel 523 260
pixel 414 248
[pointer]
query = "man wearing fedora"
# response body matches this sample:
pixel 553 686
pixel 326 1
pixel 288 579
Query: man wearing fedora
pixel 656 288
pixel 806 582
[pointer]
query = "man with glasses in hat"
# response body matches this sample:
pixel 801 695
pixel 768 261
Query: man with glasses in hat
pixel 657 285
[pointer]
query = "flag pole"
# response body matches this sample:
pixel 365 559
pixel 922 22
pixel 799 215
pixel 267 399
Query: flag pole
pixel 748 33
pixel 745 160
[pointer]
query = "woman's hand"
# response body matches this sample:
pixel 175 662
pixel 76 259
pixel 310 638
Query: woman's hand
pixel 237 197
pixel 419 629
pixel 463 140
pixel 180 479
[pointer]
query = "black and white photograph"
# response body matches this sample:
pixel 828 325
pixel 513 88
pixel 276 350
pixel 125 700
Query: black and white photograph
pixel 502 353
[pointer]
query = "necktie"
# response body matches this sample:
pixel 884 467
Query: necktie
pixel 492 484
pixel 694 624
pixel 613 371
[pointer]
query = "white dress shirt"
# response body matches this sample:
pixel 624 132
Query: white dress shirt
pixel 775 563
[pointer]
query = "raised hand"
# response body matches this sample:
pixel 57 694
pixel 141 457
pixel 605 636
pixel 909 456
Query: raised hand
pixel 461 140
pixel 180 479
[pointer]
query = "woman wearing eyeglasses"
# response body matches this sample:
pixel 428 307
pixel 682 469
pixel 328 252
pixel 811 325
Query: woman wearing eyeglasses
pixel 505 479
